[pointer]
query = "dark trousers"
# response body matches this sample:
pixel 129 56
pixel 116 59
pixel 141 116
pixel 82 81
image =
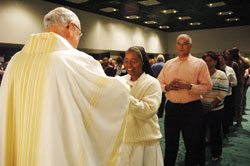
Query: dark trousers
pixel 245 96
pixel 228 113
pixel 238 103
pixel 162 106
pixel 214 121
pixel 189 119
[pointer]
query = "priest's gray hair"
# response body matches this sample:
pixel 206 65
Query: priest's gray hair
pixel 60 16
pixel 185 36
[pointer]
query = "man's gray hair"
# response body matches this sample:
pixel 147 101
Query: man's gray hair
pixel 185 36
pixel 60 16
pixel 160 58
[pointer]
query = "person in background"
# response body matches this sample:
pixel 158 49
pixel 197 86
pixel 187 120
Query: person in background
pixel 100 61
pixel 246 85
pixel 235 89
pixel 229 100
pixel 111 62
pixel 1 72
pixel 56 106
pixel 184 79
pixel 119 67
pixel 243 64
pixel 156 69
pixel 151 62
pixel 108 69
pixel 142 135
pixel 213 103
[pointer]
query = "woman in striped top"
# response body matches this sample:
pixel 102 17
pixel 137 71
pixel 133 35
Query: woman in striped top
pixel 213 103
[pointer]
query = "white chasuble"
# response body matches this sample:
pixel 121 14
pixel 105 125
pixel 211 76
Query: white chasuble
pixel 58 108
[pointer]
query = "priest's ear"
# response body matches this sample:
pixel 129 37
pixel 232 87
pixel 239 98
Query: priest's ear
pixel 70 29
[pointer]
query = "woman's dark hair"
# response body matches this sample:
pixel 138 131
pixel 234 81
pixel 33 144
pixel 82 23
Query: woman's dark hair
pixel 234 52
pixel 141 52
pixel 214 56
pixel 223 55
pixel 119 60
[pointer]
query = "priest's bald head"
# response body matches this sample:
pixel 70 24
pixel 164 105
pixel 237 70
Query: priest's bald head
pixel 65 23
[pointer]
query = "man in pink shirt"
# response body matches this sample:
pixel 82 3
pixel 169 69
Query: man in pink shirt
pixel 184 79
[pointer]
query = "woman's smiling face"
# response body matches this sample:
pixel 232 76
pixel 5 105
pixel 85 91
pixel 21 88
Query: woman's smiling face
pixel 133 65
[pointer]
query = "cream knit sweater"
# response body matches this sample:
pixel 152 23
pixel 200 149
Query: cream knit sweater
pixel 142 123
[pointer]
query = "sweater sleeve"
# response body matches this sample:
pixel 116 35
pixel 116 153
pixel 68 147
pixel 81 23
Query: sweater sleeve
pixel 147 107
pixel 204 81
pixel 223 86
pixel 232 78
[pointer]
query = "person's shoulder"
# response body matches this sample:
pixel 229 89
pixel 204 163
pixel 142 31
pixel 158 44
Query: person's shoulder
pixel 154 65
pixel 151 78
pixel 73 54
pixel 170 61
pixel 221 73
pixel 75 60
pixel 199 62
pixel 152 82
pixel 234 63
pixel 127 76
pixel 196 58
pixel 13 58
pixel 229 68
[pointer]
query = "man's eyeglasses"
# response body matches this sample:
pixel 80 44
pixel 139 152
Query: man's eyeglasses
pixel 80 34
pixel 183 44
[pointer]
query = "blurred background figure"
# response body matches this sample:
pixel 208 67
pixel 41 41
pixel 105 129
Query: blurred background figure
pixel 108 69
pixel 246 85
pixel 229 100
pixel 1 72
pixel 111 62
pixel 119 68
pixel 151 61
pixel 156 69
pixel 241 64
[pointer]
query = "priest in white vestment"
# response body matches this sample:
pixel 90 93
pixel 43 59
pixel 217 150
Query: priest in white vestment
pixel 56 106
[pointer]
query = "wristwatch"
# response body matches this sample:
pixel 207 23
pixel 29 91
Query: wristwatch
pixel 190 86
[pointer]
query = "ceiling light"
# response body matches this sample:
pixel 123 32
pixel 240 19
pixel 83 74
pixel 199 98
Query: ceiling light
pixel 164 27
pixel 216 4
pixel 77 1
pixel 149 2
pixel 169 11
pixel 194 23
pixel 225 13
pixel 114 2
pixel 132 17
pixel 150 22
pixel 109 9
pixel 184 18
pixel 232 19
pixel 151 15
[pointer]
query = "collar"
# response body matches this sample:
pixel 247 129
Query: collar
pixel 185 59
pixel 58 42
pixel 141 77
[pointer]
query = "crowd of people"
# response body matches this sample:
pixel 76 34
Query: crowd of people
pixel 223 104
pixel 59 106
